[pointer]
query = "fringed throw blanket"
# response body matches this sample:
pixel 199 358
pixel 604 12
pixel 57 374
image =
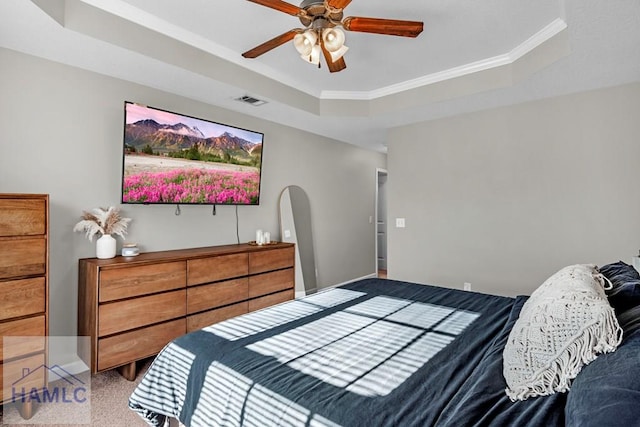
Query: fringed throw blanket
pixel 564 325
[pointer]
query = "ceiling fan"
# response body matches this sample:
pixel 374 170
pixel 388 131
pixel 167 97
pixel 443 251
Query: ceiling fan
pixel 322 34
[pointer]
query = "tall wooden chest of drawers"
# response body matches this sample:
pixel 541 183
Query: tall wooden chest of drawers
pixel 24 289
pixel 131 307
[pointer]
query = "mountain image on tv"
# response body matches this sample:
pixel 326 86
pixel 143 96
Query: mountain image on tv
pixel 172 158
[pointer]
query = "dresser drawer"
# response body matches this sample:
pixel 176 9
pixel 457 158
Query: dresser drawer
pixel 22 297
pixel 16 377
pixel 130 314
pixel 119 283
pixel 204 297
pixel 206 270
pixel 22 217
pixel 32 329
pixel 201 320
pixel 124 348
pixel 22 257
pixel 273 259
pixel 269 300
pixel 266 283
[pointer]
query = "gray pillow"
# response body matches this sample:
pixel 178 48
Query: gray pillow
pixel 607 391
pixel 630 322
pixel 625 281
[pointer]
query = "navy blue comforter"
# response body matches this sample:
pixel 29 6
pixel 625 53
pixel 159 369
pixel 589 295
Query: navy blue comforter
pixel 372 353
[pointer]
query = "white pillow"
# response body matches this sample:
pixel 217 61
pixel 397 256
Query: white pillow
pixel 564 325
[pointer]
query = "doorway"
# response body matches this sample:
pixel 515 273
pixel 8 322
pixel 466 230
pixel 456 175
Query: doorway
pixel 381 222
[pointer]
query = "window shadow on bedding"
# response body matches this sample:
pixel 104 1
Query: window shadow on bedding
pixel 368 348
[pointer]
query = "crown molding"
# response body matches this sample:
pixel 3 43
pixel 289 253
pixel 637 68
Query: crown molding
pixel 128 12
pixel 542 36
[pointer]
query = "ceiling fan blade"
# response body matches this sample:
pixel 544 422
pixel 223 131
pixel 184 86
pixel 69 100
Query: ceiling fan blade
pixel 339 65
pixel 282 6
pixel 338 4
pixel 333 66
pixel 271 44
pixel 383 26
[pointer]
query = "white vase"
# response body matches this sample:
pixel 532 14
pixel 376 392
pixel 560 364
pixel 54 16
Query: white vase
pixel 106 247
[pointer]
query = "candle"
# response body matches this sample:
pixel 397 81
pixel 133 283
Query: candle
pixel 267 238
pixel 259 237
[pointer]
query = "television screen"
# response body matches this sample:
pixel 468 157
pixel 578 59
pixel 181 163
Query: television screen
pixel 170 158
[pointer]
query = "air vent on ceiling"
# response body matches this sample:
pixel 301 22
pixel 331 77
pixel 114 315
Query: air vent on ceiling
pixel 251 100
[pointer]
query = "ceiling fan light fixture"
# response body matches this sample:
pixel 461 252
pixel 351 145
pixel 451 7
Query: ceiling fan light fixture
pixel 311 36
pixel 323 32
pixel 304 42
pixel 333 39
pixel 314 57
pixel 302 45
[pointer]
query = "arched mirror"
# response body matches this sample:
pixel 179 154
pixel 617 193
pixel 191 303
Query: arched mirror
pixel 295 227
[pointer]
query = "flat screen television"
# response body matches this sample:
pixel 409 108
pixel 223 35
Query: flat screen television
pixel 171 158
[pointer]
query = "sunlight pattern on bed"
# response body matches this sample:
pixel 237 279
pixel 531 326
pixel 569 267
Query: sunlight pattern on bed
pixel 230 398
pixel 457 322
pixel 305 339
pixel 339 357
pixel 369 348
pixel 263 320
pixel 169 373
pixel 421 315
pixel 343 362
pixel 383 379
pixel 379 307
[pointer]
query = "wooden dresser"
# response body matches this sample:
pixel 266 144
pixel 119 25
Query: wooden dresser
pixel 131 307
pixel 24 290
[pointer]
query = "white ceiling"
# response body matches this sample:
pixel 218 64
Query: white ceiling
pixel 471 55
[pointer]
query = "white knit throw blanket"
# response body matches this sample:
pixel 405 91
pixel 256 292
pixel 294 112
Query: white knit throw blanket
pixel 564 325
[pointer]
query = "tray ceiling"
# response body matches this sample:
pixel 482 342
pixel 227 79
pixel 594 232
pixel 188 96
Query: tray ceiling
pixel 470 56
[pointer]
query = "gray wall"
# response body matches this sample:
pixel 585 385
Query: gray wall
pixel 504 198
pixel 62 135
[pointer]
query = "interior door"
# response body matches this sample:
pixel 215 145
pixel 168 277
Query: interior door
pixel 381 222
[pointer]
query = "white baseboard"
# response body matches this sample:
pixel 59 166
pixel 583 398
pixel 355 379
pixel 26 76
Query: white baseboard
pixel 368 276
pixel 300 294
pixel 75 367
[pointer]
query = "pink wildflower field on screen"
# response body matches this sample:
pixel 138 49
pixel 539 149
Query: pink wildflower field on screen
pixel 193 186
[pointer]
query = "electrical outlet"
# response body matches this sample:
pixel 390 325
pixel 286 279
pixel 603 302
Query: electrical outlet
pixel 287 234
pixel 467 286
pixel 400 223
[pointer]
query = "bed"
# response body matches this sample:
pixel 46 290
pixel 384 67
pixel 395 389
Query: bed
pixel 374 352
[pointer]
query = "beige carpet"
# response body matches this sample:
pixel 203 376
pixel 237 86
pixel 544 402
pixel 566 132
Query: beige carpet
pixel 109 396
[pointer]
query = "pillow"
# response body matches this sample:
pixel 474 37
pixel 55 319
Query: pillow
pixel 625 281
pixel 630 321
pixel 565 323
pixel 625 296
pixel 607 391
pixel 619 272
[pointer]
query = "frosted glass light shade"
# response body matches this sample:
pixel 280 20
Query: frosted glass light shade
pixel 333 39
pixel 338 53
pixel 314 56
pixel 304 42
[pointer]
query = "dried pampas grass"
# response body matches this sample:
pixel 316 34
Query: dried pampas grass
pixel 103 221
